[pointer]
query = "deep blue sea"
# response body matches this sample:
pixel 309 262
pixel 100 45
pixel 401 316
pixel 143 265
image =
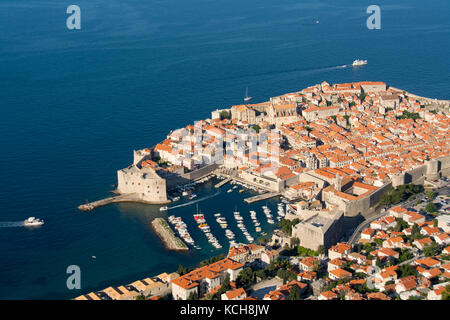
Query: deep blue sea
pixel 75 103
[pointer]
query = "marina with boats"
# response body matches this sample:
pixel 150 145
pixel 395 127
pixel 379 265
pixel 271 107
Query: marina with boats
pixel 225 228
pixel 186 222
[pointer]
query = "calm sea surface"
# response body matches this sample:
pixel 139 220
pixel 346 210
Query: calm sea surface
pixel 74 105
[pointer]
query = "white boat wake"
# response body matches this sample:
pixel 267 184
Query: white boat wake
pixel 303 71
pixel 12 224
pixel 330 68
pixel 195 201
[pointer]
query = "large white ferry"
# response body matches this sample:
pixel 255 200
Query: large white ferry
pixel 359 62
pixel 32 221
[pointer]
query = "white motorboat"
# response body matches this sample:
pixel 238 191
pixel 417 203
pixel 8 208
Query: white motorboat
pixel 358 62
pixel 32 222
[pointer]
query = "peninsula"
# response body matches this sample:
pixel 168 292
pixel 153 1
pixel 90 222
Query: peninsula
pixel 331 151
pixel 344 144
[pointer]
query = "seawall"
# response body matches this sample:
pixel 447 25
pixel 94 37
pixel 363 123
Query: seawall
pixel 167 236
pixel 129 197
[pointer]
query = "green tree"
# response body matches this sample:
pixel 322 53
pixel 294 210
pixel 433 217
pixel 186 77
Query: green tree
pixel 225 286
pixel 406 270
pixel 193 296
pixel 401 225
pixel 261 274
pixel 406 255
pixel 245 278
pixel 286 275
pixel 379 242
pixel 294 293
pixel 347 117
pixel 286 225
pixel 182 270
pixel 362 96
pixel 431 250
pixel 409 115
pixel 415 232
pixel 302 251
pixel 256 128
pixel 435 223
pixel 321 250
pixel 446 293
pixel 430 194
pixel 378 262
pixel 211 260
pixel 225 115
pixel 262 241
pixel 431 207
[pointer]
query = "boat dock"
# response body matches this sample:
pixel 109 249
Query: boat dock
pixel 260 197
pixel 221 183
pixel 120 198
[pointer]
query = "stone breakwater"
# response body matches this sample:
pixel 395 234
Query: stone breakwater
pixel 167 236
pixel 119 198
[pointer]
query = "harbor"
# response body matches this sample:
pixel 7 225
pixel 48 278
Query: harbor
pixel 207 227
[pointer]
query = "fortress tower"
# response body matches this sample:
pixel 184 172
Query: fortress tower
pixel 432 169
pixel 338 182
pixel 398 179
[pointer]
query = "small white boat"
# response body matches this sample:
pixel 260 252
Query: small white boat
pixel 247 98
pixel 359 62
pixel 33 222
pixel 163 208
